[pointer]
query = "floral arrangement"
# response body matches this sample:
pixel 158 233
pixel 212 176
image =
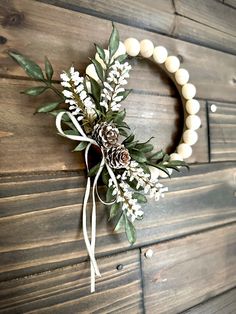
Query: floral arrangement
pixel 94 116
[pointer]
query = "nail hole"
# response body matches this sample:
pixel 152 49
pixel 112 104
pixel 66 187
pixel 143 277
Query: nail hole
pixel 120 267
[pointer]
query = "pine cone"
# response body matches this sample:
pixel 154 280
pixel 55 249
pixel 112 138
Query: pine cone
pixel 105 134
pixel 117 156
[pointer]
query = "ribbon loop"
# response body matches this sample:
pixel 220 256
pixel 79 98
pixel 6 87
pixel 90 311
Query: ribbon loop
pixel 90 244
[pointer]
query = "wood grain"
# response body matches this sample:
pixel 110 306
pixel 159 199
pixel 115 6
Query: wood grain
pixel 35 31
pixel 222 125
pixel 159 16
pixel 30 143
pixel 210 12
pixel 67 290
pixel 224 303
pixel 187 271
pixel 45 210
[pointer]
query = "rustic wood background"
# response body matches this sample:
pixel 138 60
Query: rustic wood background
pixel 43 261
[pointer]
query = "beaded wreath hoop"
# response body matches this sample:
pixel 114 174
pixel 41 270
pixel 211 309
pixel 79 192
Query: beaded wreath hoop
pixel 93 117
pixel 180 77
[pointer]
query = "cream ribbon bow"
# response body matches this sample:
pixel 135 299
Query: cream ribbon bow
pixel 90 244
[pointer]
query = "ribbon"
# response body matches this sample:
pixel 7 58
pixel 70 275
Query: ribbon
pixel 90 244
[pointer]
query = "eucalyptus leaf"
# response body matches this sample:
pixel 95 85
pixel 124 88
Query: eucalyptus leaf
pixel 71 132
pixel 99 69
pixel 80 147
pixel 138 156
pixel 139 197
pixel 93 171
pixel 120 223
pixel 35 91
pixel 133 185
pixel 129 139
pixel 109 196
pixel 105 176
pixel 100 52
pixel 158 155
pixel 123 132
pixel 130 231
pixel 122 58
pixel 48 69
pixel 49 107
pixel 96 90
pixel 113 41
pixel 30 67
pixel 119 117
pixel 115 208
pixel 125 94
pixel 146 148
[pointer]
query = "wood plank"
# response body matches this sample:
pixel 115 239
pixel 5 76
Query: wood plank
pixel 155 16
pixel 211 73
pixel 224 303
pixel 185 272
pixel 30 142
pixel 201 34
pixel 231 3
pixel 222 125
pixel 212 13
pixel 45 211
pixel 67 290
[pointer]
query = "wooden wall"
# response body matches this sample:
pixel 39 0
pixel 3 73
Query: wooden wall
pixel 43 260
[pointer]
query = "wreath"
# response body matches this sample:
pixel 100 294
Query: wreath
pixel 94 117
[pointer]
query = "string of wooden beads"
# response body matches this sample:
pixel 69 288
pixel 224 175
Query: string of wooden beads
pixel 180 77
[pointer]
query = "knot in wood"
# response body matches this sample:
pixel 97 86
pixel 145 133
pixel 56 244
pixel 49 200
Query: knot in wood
pixel 13 19
pixel 3 40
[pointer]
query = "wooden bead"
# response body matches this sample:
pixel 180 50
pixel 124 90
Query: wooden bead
pixel 160 54
pixel 120 51
pixel 188 91
pixel 91 71
pixel 184 150
pixel 176 156
pixel 146 48
pixel 181 76
pixel 190 137
pixel 132 46
pixel 172 64
pixel 193 122
pixel 192 106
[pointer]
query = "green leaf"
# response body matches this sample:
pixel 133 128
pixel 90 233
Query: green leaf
pixel 163 168
pixel 123 132
pixel 129 139
pixel 138 156
pixel 122 58
pixel 178 163
pixel 80 147
pixel 93 171
pixel 109 196
pixel 100 52
pixel 146 148
pixel 119 117
pixel 139 197
pixel 30 67
pixel 48 69
pixel 99 69
pixel 35 91
pixel 158 155
pixel 71 132
pixel 120 222
pixel 130 231
pixel 113 41
pixel 125 94
pixel 115 208
pixel 49 107
pixel 133 185
pixel 96 90
pixel 105 176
